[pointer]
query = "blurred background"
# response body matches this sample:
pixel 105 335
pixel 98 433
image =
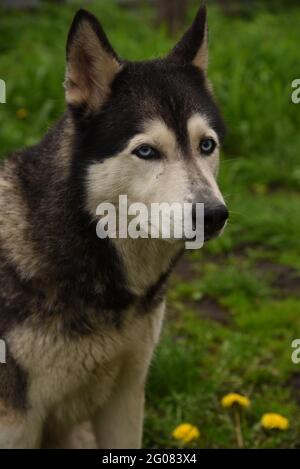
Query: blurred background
pixel 234 306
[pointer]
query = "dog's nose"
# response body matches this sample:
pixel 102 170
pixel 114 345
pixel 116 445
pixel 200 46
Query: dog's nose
pixel 214 219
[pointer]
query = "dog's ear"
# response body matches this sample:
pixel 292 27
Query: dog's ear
pixel 193 46
pixel 92 63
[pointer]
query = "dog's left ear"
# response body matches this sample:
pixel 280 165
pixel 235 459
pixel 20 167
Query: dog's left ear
pixel 92 63
pixel 193 46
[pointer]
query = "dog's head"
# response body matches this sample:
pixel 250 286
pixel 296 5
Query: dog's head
pixel 150 130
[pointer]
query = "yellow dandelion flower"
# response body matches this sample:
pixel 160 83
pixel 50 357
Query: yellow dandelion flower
pixel 186 433
pixel 234 398
pixel 22 113
pixel 272 421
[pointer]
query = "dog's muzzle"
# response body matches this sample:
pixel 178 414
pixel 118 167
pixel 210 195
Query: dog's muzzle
pixel 215 218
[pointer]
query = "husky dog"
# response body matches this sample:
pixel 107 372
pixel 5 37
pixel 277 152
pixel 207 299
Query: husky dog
pixel 80 315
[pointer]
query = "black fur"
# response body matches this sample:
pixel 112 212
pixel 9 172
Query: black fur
pixel 72 257
pixel 186 50
pixel 139 92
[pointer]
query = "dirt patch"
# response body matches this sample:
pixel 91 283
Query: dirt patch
pixel 284 279
pixel 184 269
pixel 239 252
pixel 275 187
pixel 206 307
pixel 209 308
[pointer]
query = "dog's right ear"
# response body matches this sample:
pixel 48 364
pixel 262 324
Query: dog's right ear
pixel 92 63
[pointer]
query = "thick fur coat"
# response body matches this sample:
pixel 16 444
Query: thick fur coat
pixel 81 316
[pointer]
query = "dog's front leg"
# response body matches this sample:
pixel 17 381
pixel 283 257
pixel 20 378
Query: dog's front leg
pixel 18 430
pixel 119 423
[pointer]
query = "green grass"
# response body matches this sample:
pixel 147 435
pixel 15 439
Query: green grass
pixel 250 274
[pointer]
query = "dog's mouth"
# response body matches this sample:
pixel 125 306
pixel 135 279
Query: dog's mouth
pixel 208 236
pixel 216 234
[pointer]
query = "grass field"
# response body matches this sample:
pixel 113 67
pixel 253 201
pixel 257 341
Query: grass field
pixel 234 307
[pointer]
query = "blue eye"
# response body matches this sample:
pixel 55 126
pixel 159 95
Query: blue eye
pixel 207 146
pixel 146 152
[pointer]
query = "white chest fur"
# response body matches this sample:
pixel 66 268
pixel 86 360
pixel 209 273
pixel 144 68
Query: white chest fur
pixel 71 378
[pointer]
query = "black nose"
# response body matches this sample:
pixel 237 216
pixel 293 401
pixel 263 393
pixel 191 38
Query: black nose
pixel 214 219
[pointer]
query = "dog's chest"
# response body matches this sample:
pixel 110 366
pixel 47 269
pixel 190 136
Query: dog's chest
pixel 79 374
pixel 58 368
